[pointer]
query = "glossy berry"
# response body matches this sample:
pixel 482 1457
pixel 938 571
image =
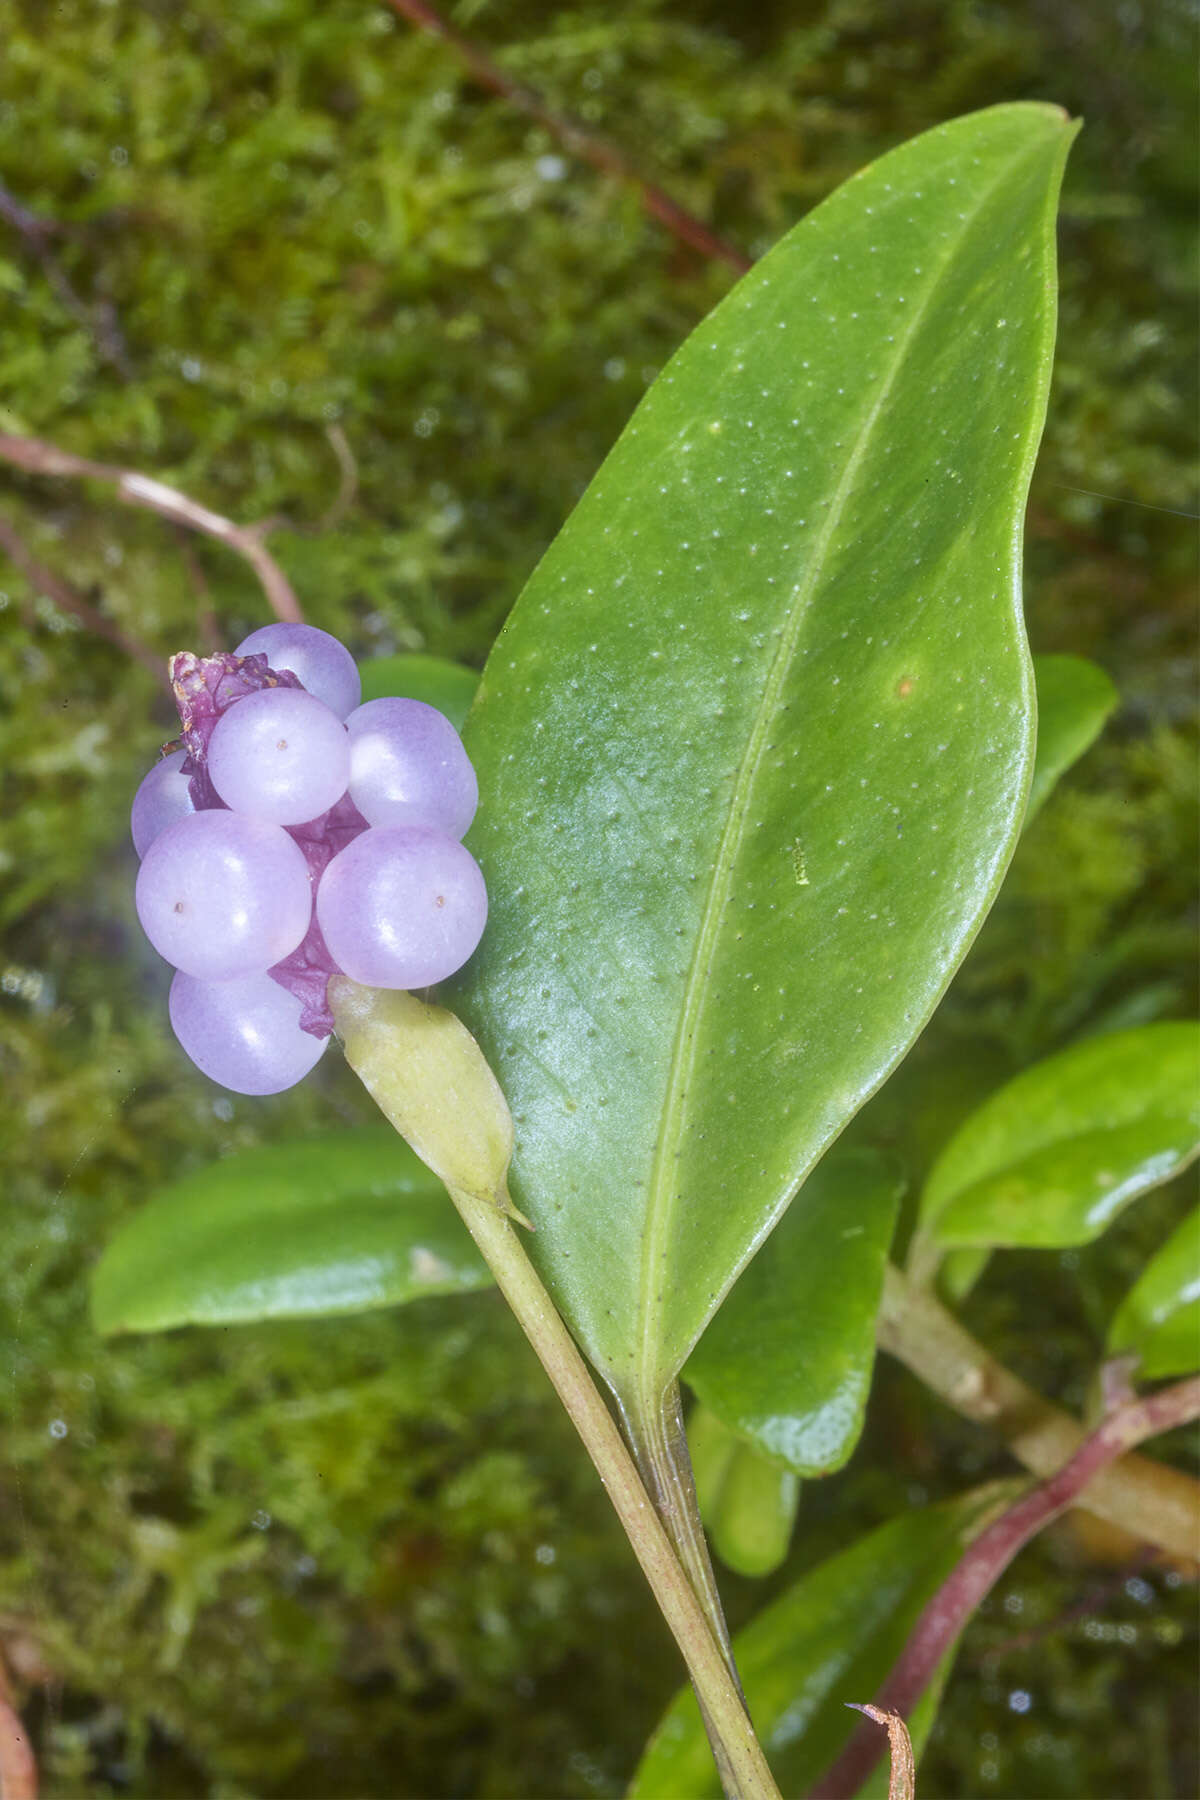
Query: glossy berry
pixel 221 896
pixel 244 1034
pixel 283 801
pixel 408 767
pixel 402 907
pixel 320 664
pixel 163 797
pixel 279 755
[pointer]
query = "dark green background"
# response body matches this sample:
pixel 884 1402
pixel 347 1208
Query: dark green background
pixel 365 1557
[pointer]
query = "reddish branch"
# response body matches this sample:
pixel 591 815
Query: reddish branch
pixel 32 226
pixel 1148 1499
pixel 986 1560
pixel 347 464
pixel 141 490
pixel 18 1770
pixel 65 597
pixel 208 632
pixel 603 156
pixel 100 320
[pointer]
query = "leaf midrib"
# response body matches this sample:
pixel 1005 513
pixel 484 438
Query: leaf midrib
pixel 660 1205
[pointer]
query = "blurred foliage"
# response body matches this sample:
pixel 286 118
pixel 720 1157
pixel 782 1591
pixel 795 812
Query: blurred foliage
pixel 367 1557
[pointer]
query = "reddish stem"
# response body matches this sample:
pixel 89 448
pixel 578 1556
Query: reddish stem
pixel 100 319
pixel 65 597
pixel 602 155
pixel 986 1560
pixel 18 1768
pixel 136 489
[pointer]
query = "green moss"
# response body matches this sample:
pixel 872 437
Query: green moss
pixel 298 218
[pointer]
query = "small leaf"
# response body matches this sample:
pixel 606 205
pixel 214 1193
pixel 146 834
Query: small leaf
pixel 1160 1315
pixel 338 1223
pixel 748 1504
pixel 829 1639
pixel 427 1075
pixel 1074 699
pixel 410 676
pixel 755 741
pixel 786 1363
pixel 1053 1157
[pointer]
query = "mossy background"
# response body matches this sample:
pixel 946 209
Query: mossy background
pixel 365 1557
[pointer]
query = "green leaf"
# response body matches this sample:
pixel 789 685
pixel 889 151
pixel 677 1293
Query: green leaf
pixel 829 1639
pixel 1160 1315
pixel 447 685
pixel 1055 1155
pixel 337 1223
pixel 755 741
pixel 1074 699
pixel 786 1363
pixel 747 1502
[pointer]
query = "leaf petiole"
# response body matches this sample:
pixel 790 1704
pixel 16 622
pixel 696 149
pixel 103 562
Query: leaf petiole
pixel 432 1082
pixel 739 1756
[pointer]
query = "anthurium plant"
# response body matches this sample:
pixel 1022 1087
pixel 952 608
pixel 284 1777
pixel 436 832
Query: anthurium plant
pixel 753 750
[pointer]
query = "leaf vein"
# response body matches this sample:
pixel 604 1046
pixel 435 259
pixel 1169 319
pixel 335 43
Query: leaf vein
pixel 661 1200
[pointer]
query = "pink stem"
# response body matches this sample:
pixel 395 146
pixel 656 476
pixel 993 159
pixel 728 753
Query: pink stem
pixel 603 156
pixel 136 489
pixel 65 597
pixel 986 1560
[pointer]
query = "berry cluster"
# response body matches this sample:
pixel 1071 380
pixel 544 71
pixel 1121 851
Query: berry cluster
pixel 294 834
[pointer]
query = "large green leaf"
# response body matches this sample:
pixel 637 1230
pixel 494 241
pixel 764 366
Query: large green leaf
pixel 1160 1315
pixel 755 741
pixel 748 1503
pixel 829 1639
pixel 786 1363
pixel 1054 1156
pixel 411 675
pixel 1074 698
pixel 336 1223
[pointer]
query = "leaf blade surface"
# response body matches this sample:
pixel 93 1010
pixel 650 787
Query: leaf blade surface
pixel 1075 697
pixel 1160 1315
pixel 1052 1157
pixel 340 1222
pixel 786 1363
pixel 755 740
pixel 412 675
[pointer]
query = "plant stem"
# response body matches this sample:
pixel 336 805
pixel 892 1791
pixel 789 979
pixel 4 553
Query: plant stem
pixel 742 1765
pixel 432 1080
pixel 985 1561
pixel 655 1432
pixel 18 1769
pixel 1153 1502
pixel 136 489
pixel 601 154
pixel 68 600
pixel 99 319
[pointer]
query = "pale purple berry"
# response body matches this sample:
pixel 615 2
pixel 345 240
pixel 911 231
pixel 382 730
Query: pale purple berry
pixel 221 896
pixel 401 907
pixel 320 664
pixel 163 797
pixel 408 767
pixel 280 755
pixel 244 1034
